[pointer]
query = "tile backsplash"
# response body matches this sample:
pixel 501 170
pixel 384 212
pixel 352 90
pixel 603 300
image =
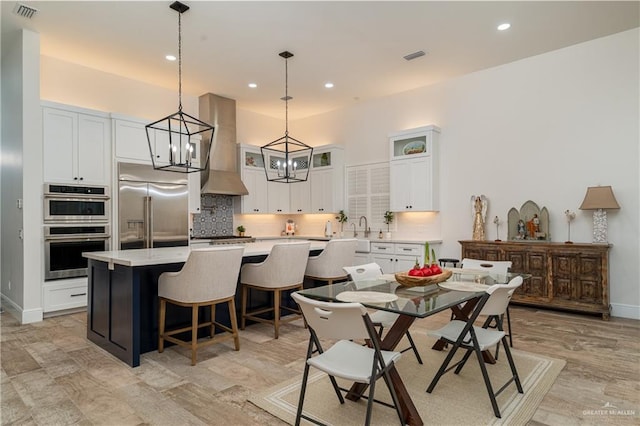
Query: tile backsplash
pixel 216 217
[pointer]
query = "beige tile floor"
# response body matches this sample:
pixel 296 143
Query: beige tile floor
pixel 52 375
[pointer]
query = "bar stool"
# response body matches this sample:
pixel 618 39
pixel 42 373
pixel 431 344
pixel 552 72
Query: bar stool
pixel 327 266
pixel 282 270
pixel 208 277
pixel 444 260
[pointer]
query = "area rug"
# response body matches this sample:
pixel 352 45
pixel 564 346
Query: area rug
pixel 457 399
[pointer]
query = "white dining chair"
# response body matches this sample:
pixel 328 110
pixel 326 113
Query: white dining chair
pixel 361 275
pixel 342 323
pixel 497 270
pixel 463 334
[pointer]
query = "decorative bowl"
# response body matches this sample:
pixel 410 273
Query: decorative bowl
pixel 405 280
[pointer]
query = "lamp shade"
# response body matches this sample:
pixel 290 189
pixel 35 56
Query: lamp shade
pixel 599 197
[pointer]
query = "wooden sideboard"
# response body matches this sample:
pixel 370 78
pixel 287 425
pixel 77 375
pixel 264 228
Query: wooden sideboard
pixel 573 277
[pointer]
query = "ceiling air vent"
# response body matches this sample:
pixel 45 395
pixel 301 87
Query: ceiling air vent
pixel 25 11
pixel 414 55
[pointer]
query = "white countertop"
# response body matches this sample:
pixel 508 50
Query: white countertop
pixel 372 239
pixel 159 256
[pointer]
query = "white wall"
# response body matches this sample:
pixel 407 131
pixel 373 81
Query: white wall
pixel 543 129
pixel 74 84
pixel 22 258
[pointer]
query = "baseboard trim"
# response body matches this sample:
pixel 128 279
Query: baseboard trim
pixel 25 316
pixel 625 311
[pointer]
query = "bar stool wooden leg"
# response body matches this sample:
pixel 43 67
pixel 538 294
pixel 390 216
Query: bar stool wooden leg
pixel 194 333
pixel 243 315
pixel 234 323
pixel 276 313
pixel 163 314
pixel 213 320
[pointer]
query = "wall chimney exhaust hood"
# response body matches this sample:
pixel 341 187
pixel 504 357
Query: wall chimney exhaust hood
pixel 223 177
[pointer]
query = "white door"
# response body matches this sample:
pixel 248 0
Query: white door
pixel 278 197
pixel 257 200
pixel 322 191
pixel 300 194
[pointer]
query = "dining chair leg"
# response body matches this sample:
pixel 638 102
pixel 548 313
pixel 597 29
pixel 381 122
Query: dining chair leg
pixel 234 323
pixel 442 368
pixel 512 365
pixel 243 314
pixel 163 314
pixel 487 382
pixel 413 346
pixel 212 327
pixel 276 313
pixel 194 333
pixel 509 327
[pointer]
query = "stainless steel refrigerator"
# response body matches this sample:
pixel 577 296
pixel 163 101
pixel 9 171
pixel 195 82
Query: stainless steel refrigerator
pixel 153 207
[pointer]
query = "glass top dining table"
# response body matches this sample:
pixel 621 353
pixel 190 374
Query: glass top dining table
pixel 418 302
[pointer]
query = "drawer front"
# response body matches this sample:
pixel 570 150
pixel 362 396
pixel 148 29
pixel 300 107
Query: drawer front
pixel 382 248
pixel 410 249
pixel 58 297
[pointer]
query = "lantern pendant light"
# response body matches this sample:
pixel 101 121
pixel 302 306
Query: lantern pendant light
pixel 171 139
pixel 286 160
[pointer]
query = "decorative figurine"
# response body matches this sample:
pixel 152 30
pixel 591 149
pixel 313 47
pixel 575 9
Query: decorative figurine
pixel 496 221
pixel 522 233
pixel 570 216
pixel 479 210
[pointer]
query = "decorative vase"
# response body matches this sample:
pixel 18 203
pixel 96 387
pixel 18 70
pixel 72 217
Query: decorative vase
pixel 241 234
pixel 388 235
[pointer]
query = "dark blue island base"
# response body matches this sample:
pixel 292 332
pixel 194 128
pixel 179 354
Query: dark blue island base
pixel 122 307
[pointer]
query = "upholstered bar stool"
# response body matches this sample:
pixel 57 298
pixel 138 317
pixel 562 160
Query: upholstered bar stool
pixel 208 277
pixel 282 270
pixel 327 266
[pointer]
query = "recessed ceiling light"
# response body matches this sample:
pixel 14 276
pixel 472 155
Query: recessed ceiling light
pixel 170 58
pixel 504 26
pixel 253 85
pixel 328 85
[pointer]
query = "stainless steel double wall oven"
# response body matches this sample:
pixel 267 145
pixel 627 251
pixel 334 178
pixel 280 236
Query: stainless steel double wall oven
pixel 76 220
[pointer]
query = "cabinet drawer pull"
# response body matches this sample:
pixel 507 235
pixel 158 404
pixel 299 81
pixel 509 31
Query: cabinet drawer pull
pixel 78 294
pixel 407 249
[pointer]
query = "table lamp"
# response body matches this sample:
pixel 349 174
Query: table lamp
pixel 598 199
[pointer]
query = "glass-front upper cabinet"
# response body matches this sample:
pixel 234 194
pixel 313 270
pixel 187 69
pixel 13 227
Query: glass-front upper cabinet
pixel 413 143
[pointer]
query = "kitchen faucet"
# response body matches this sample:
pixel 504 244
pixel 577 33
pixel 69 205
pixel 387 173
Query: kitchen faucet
pixel 367 230
pixel 355 233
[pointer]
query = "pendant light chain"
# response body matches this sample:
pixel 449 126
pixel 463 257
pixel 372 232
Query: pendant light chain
pixel 286 96
pixel 179 61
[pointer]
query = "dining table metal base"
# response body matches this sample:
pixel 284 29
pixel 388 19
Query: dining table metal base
pixel 389 343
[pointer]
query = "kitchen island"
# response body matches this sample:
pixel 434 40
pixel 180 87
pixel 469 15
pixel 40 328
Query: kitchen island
pixel 122 306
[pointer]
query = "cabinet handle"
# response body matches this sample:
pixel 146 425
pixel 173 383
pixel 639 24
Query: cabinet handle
pixel 78 294
pixel 406 249
pixel 81 178
pixel 75 178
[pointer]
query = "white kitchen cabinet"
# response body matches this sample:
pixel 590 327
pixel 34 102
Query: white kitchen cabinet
pixel 131 140
pixel 132 143
pixel 76 145
pixel 278 194
pixel 252 175
pixel 411 186
pixel 64 294
pixel 194 192
pixel 396 257
pixel 257 200
pixel 300 197
pixel 413 171
pixel 327 179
